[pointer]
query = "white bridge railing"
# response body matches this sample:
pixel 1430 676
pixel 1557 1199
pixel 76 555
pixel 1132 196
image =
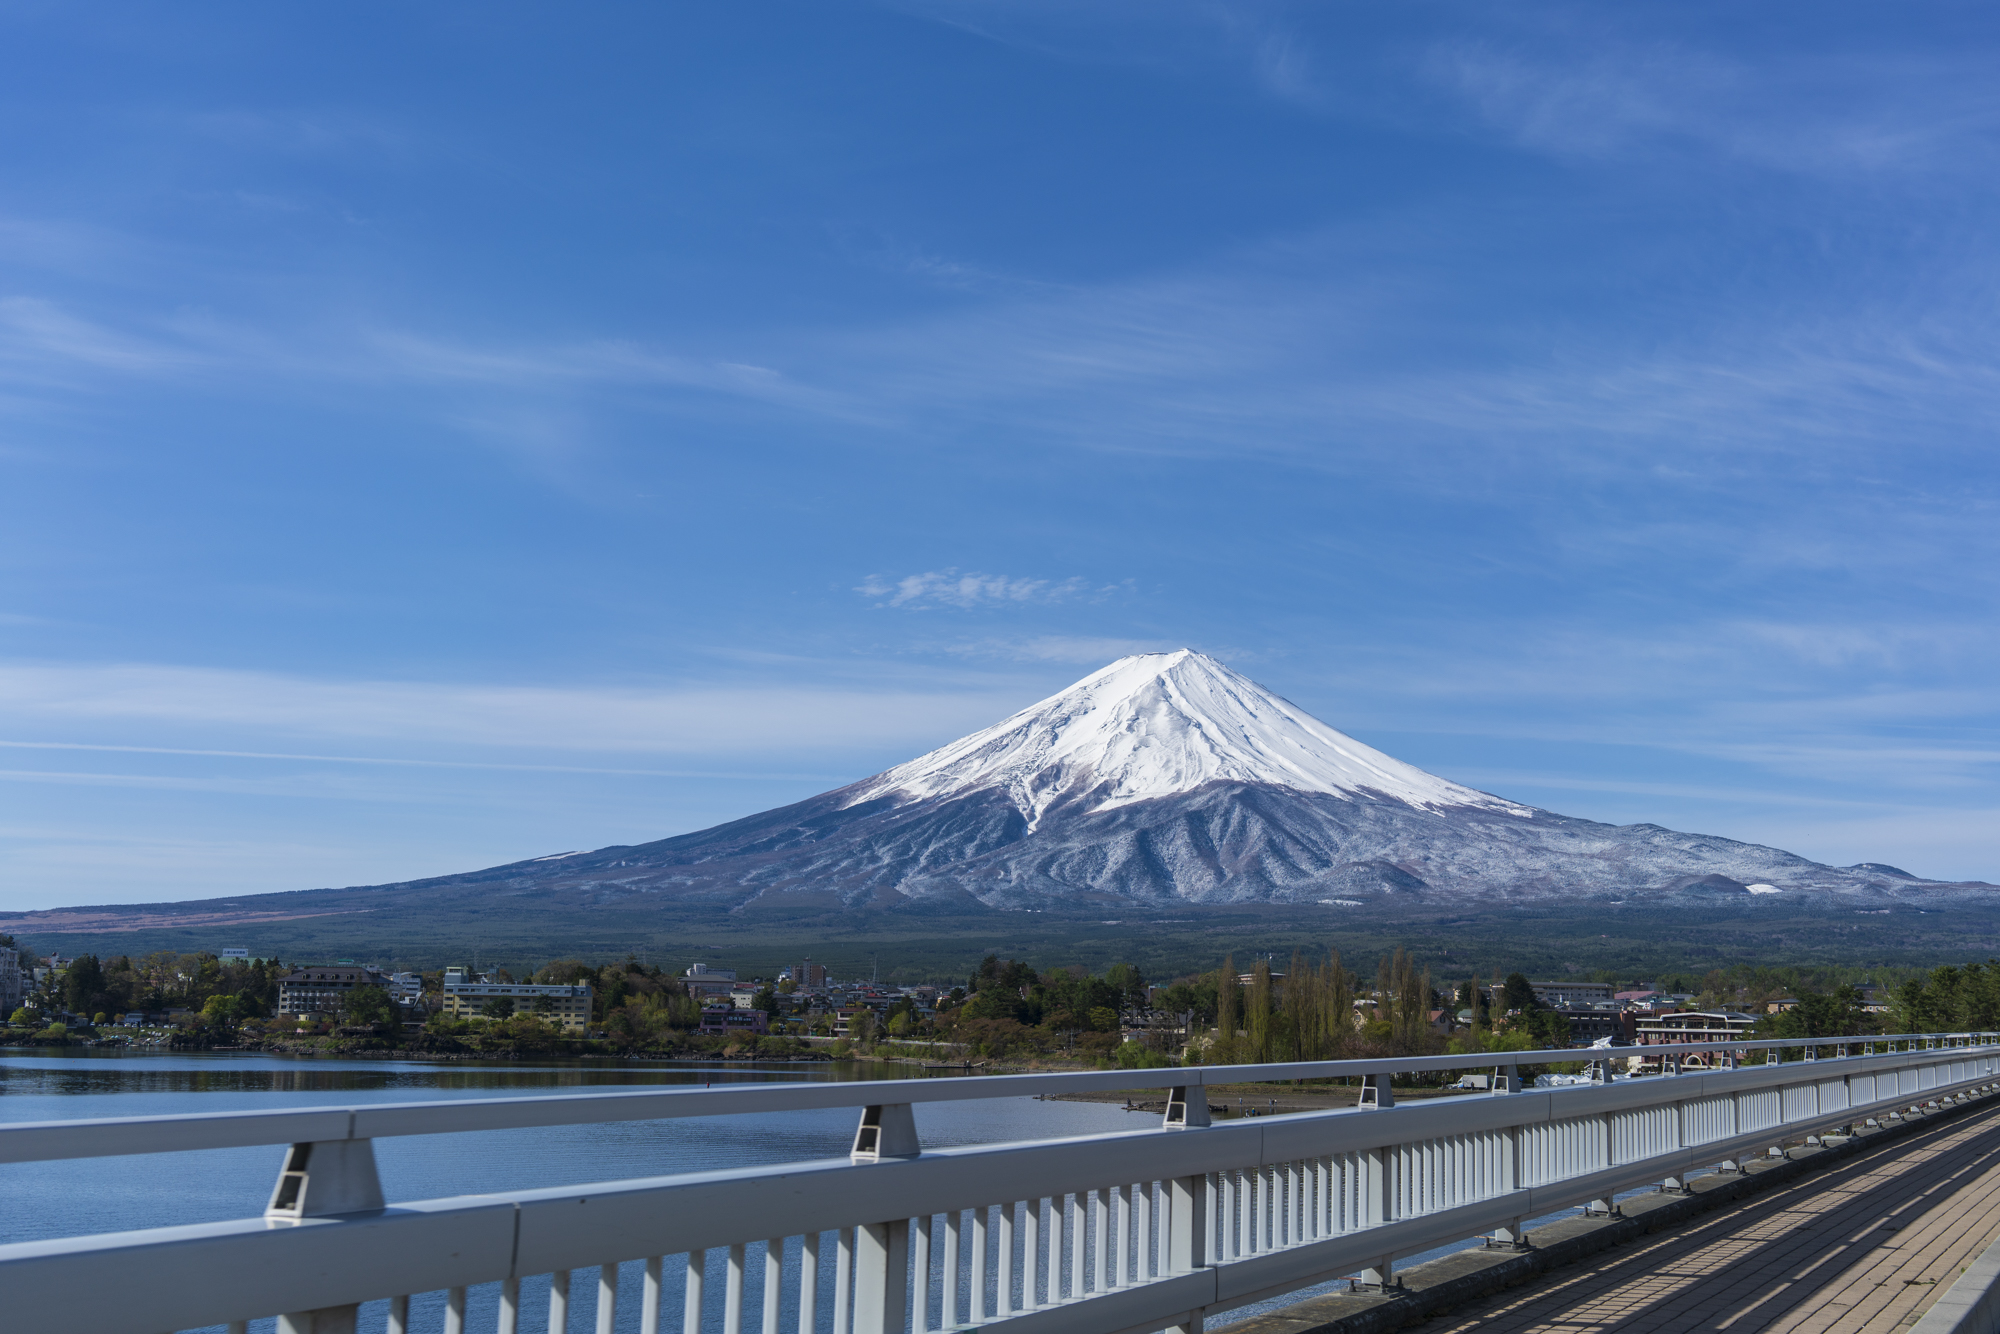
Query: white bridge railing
pixel 1138 1231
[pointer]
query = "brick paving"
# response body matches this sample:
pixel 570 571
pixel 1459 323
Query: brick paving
pixel 1864 1248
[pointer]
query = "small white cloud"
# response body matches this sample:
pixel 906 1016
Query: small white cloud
pixel 965 589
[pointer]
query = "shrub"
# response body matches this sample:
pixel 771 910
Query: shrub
pixel 1138 1056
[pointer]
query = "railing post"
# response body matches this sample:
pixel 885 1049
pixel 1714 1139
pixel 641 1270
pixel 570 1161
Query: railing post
pixel 888 1130
pixel 1377 1093
pixel 1183 1113
pixel 318 1179
pixel 1189 1209
pixel 881 1275
pixel 1506 1079
pixel 1378 1204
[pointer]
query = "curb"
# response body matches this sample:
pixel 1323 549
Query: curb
pixel 1972 1304
pixel 1436 1286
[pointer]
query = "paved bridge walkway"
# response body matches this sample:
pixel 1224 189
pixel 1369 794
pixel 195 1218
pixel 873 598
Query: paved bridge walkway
pixel 1863 1248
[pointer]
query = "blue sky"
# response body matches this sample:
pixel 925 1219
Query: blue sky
pixel 431 437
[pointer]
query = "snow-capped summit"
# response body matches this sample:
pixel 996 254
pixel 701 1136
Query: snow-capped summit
pixel 1157 725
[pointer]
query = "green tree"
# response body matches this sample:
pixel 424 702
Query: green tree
pixel 368 1005
pixel 83 984
pixel 1519 994
pixel 500 1008
pixel 1833 1014
pixel 221 1011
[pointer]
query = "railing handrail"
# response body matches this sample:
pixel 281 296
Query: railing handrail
pixel 35 1141
pixel 1292 1201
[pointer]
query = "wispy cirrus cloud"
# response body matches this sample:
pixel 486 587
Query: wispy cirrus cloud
pixel 967 589
pixel 1573 91
pixel 634 719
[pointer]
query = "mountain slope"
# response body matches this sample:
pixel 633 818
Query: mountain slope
pixel 1164 783
pixel 1169 778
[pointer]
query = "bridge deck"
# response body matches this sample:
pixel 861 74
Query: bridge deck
pixel 1864 1248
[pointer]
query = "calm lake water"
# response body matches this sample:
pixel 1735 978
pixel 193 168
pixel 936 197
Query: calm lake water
pixel 86 1196
pixel 158 1190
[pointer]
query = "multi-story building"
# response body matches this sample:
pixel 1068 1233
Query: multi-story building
pixel 406 989
pixel 729 1019
pixel 1695 1026
pixel 807 975
pixel 466 996
pixel 704 983
pixel 1593 1023
pixel 320 990
pixel 13 982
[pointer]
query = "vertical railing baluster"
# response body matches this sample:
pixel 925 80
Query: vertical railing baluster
pixel 1100 1241
pixel 948 1289
pixel 649 1297
pixel 843 1279
pixel 454 1311
pixel 732 1292
pixel 1121 1225
pixel 1225 1208
pixel 1031 1255
pixel 774 1283
pixel 1003 1276
pixel 399 1316
pixel 809 1283
pixel 1077 1241
pixel 559 1302
pixel 607 1299
pixel 1142 1232
pixel 697 1264
pixel 1065 1245
pixel 976 1289
pixel 920 1274
pixel 1295 1218
pixel 1058 1247
pixel 1267 1208
pixel 509 1319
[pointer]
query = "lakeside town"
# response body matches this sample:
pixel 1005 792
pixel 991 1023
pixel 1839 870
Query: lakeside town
pixel 1005 1013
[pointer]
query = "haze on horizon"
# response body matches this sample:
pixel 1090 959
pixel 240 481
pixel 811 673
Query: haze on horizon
pixel 431 439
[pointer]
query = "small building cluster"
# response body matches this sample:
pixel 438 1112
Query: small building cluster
pixel 803 991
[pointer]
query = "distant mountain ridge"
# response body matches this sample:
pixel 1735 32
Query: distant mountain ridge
pixel 1166 778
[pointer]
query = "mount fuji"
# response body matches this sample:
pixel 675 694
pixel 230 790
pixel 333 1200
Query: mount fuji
pixel 1168 778
pixel 1164 788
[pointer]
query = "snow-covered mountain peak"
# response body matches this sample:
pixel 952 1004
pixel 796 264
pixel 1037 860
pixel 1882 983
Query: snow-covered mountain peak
pixel 1154 725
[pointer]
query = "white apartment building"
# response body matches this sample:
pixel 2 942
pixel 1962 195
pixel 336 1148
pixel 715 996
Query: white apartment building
pixel 466 996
